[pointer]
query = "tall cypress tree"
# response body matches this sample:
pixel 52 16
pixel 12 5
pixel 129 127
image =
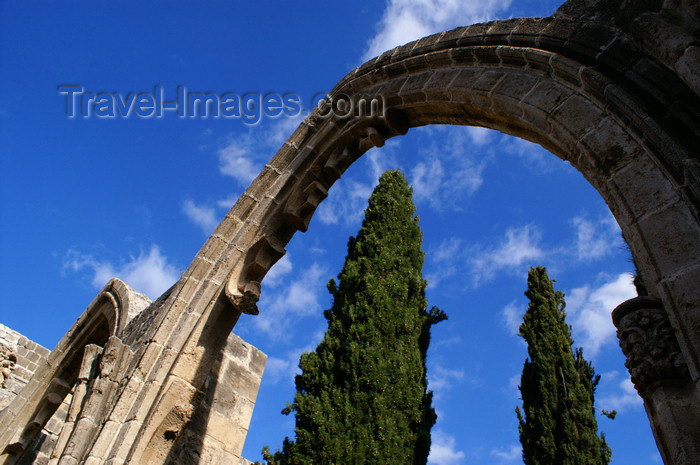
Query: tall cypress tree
pixel 557 386
pixel 362 394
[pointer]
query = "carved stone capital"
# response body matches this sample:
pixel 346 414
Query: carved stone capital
pixel 649 342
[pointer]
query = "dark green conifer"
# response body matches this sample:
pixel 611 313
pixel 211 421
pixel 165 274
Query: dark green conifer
pixel 362 394
pixel 557 386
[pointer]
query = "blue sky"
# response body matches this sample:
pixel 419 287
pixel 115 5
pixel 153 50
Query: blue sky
pixel 85 199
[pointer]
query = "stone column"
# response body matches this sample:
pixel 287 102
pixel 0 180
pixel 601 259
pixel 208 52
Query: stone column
pixel 660 374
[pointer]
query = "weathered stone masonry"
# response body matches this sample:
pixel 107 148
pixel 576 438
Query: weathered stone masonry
pixel 73 403
pixel 611 86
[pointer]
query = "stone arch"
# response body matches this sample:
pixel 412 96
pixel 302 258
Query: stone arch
pixel 569 86
pixel 581 89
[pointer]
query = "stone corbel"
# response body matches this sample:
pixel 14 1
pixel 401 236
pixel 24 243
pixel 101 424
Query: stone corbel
pixel 243 286
pixel 298 211
pixel 649 343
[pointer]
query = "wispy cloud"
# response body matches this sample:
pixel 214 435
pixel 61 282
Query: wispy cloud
pixel 520 246
pixel 444 260
pixel 345 204
pixel 589 310
pixel 595 240
pixel 448 173
pixel 285 369
pixel 444 449
pixel 532 156
pixel 407 20
pixel 243 155
pixel 149 273
pixel 512 316
pixel 441 379
pixel 203 216
pixel 511 453
pixel 621 398
pixel 240 159
pixel 283 304
pixel 273 278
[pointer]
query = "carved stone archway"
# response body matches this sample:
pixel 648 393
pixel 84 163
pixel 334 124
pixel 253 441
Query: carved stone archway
pixel 591 84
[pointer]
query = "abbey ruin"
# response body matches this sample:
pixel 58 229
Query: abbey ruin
pixel 611 86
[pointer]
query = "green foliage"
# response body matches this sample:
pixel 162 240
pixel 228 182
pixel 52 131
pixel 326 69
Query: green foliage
pixel 557 423
pixel 362 394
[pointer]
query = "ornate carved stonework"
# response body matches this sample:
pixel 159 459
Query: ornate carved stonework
pixel 649 342
pixel 8 358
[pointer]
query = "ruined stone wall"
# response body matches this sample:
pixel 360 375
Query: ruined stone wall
pixel 216 433
pixel 19 359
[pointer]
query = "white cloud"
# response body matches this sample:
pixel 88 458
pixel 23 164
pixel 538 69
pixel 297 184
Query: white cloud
pixel 624 398
pixel 532 155
pixel 285 369
pixel 441 379
pixel 513 388
pixel 148 273
pixel 278 270
pixel 521 245
pixel 443 450
pixel 589 311
pixel 238 160
pixel 202 216
pixel 448 249
pixel 512 315
pixel 277 369
pixel 407 20
pixel 345 204
pixel 480 135
pixel 511 454
pixel 244 155
pixel 279 307
pixel 444 261
pixel 594 241
pixel 447 173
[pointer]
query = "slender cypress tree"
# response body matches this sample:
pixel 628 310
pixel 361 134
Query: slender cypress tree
pixel 362 394
pixel 557 386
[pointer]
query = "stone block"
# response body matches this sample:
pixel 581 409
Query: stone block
pixel 687 67
pixel 439 60
pixel 105 440
pixel 611 146
pixel 463 56
pixel 619 56
pixel 538 60
pixel 566 70
pixel 642 198
pixel 243 381
pixel 512 57
pixel 546 95
pixel 414 84
pixel 516 85
pixel 213 248
pixel 684 292
pixel 578 114
pixel 672 236
pixel 449 38
pixel 594 83
pixel 487 56
pixel 257 362
pixel 225 431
